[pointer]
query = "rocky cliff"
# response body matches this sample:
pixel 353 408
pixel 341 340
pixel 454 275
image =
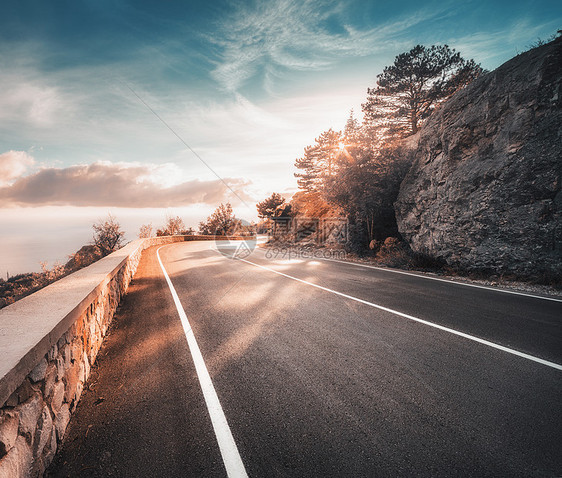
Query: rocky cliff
pixel 484 191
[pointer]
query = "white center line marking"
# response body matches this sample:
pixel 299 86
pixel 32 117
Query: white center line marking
pixel 448 281
pixel 229 451
pixel 415 319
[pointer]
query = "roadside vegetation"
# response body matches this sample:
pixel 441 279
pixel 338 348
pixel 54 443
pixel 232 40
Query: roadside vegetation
pixel 356 173
pixel 107 237
pixel 223 222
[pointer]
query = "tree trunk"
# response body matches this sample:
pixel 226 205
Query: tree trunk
pixel 414 123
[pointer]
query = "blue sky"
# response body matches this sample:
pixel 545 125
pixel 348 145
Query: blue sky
pixel 247 84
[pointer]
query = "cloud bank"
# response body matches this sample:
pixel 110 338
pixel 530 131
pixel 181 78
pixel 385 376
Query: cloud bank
pixel 108 184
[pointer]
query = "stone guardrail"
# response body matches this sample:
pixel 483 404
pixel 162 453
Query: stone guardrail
pixel 48 342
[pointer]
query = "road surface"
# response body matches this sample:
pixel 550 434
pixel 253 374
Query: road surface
pixel 318 368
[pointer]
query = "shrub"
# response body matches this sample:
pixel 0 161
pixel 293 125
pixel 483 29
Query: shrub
pixel 108 235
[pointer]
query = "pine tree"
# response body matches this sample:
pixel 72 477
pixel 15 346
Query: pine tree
pixel 267 207
pixel 410 89
pixel 319 161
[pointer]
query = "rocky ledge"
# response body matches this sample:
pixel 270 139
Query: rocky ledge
pixel 484 190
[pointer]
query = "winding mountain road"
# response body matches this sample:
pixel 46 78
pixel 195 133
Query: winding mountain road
pixel 303 367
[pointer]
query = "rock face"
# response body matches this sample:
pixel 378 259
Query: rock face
pixel 87 255
pixel 484 191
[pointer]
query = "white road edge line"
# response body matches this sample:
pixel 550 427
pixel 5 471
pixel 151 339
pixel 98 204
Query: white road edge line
pixel 415 319
pixel 448 281
pixel 230 455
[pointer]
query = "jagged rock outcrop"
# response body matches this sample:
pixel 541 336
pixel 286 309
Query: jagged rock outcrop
pixel 484 191
pixel 85 256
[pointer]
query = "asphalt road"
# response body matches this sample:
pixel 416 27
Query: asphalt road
pixel 362 374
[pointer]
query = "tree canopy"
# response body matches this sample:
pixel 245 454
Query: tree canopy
pixel 108 235
pixel 145 231
pixel 174 226
pixel 414 85
pixel 221 222
pixel 267 207
pixel 319 161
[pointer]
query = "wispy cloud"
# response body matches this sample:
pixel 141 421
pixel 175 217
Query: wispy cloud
pixel 487 47
pixel 113 185
pixel 272 37
pixel 14 164
pixel 29 101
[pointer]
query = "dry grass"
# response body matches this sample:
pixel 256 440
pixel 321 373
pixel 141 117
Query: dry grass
pixel 21 285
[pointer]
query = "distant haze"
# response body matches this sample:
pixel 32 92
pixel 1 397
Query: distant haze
pixel 31 235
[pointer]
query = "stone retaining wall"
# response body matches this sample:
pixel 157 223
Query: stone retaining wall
pixel 48 342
